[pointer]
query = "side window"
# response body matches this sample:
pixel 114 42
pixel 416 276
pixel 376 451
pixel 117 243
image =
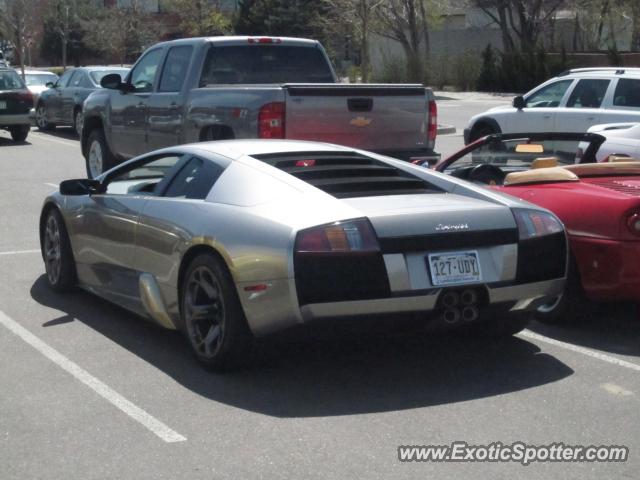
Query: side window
pixel 144 73
pixel 588 93
pixel 549 96
pixel 76 80
pixel 194 180
pixel 175 68
pixel 64 79
pixel 86 82
pixel 627 93
pixel 142 178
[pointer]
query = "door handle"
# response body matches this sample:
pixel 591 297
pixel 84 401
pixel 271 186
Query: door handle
pixel 591 118
pixel 141 105
pixel 546 116
pixel 174 106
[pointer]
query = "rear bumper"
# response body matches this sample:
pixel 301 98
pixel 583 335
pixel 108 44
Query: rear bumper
pixel 609 269
pixel 526 297
pixel 17 119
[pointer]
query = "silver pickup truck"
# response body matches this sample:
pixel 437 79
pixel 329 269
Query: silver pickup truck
pixel 217 88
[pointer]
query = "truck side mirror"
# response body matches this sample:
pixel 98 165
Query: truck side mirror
pixel 111 81
pixel 519 102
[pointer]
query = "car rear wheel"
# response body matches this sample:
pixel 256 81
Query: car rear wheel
pixel 41 118
pixel 567 307
pixel 19 132
pixel 57 254
pixel 98 158
pixel 212 317
pixel 78 120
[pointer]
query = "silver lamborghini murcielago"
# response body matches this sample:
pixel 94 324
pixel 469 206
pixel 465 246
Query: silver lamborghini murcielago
pixel 231 240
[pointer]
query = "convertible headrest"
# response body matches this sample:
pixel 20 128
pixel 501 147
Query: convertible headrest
pixel 544 162
pixel 607 168
pixel 541 175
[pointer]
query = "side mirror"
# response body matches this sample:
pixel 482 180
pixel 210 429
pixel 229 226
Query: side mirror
pixel 80 186
pixel 49 84
pixel 519 102
pixel 111 81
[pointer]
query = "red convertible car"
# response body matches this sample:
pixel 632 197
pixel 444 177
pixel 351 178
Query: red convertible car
pixel 599 204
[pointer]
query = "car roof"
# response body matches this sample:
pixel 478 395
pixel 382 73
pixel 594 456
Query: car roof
pixel 613 72
pixel 235 149
pixel 36 72
pixel 240 40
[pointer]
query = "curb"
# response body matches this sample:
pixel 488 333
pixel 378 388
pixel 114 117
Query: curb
pixel 446 129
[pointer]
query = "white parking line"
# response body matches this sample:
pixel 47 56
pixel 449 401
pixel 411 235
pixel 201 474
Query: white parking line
pixel 57 140
pixel 18 252
pixel 52 185
pixel 113 397
pixel 584 351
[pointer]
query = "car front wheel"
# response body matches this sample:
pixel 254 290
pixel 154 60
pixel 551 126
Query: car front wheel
pixel 78 119
pixel 57 254
pixel 212 317
pixel 41 118
pixel 19 132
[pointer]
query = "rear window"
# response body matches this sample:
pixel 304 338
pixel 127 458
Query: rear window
pixel 348 175
pixel 627 93
pixel 265 64
pixel 97 75
pixel 10 80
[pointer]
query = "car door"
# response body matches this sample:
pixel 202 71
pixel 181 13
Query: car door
pixel 166 104
pixel 624 103
pixel 105 227
pixel 540 109
pixel 129 106
pixel 583 106
pixel 53 102
pixel 171 218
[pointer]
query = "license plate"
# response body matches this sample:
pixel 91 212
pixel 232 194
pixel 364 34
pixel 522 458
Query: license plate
pixel 454 267
pixel 3 105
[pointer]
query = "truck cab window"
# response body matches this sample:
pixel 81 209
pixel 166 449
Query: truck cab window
pixel 144 73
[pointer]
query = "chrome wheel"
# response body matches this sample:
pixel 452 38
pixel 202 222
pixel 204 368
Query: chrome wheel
pixel 204 312
pixel 95 159
pixel 78 121
pixel 41 117
pixel 52 250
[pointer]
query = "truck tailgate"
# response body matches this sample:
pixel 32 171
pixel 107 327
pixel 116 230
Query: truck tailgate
pixel 371 117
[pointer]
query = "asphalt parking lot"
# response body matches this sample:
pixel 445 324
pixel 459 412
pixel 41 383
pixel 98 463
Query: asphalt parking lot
pixel 89 391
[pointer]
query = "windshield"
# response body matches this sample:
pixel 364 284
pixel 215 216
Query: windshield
pixel 40 79
pixel 243 64
pixel 518 154
pixel 97 75
pixel 10 80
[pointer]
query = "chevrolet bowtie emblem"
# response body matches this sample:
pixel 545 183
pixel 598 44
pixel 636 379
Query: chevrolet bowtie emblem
pixel 361 122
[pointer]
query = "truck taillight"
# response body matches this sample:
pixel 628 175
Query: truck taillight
pixel 271 120
pixel 264 40
pixel 433 123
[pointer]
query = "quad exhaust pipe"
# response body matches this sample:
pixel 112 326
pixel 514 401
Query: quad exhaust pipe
pixel 459 306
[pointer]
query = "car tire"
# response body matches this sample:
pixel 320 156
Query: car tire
pixel 56 250
pixel 481 131
pixel 98 157
pixel 567 307
pixel 78 122
pixel 41 118
pixel 212 317
pixel 19 132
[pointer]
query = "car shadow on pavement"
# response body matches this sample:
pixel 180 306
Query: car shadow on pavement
pixel 6 141
pixel 609 327
pixel 67 133
pixel 336 373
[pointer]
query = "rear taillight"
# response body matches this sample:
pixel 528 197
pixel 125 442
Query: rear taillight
pixel 433 123
pixel 26 97
pixel 271 120
pixel 633 224
pixel 264 40
pixel 535 223
pixel 347 236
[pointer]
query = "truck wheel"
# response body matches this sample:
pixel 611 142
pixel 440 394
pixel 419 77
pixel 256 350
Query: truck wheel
pixel 19 132
pixel 212 317
pixel 41 118
pixel 480 131
pixel 98 158
pixel 56 252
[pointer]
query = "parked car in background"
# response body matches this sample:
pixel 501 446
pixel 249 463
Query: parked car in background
pixel 61 104
pixel 221 88
pixel 573 101
pixel 622 140
pixel 16 102
pixel 228 240
pixel 37 80
pixel 599 204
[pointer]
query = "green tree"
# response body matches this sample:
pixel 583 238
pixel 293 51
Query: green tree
pixel 200 18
